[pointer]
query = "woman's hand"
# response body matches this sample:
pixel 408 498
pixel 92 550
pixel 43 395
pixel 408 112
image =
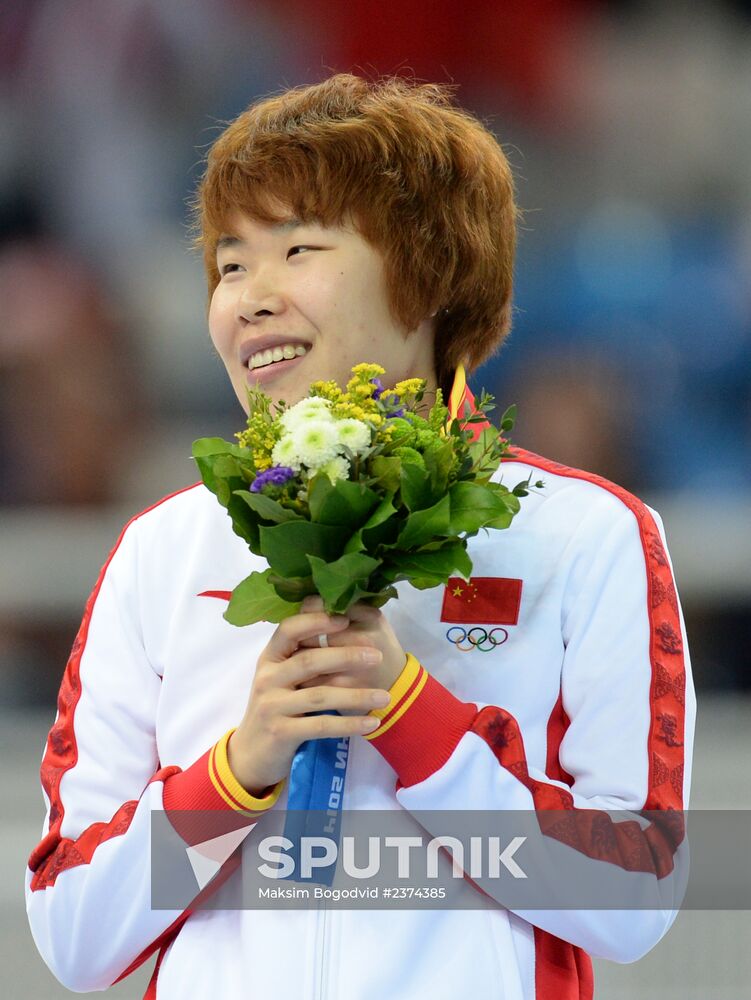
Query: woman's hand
pixel 294 676
pixel 368 627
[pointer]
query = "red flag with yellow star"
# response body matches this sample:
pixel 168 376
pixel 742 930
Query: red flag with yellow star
pixel 486 600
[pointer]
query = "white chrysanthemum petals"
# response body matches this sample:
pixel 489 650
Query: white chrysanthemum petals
pixel 337 468
pixel 285 452
pixel 354 433
pixel 317 442
pixel 307 410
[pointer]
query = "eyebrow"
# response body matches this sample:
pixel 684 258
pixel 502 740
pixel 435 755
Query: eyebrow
pixel 279 227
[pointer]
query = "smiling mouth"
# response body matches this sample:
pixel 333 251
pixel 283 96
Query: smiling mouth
pixel 276 354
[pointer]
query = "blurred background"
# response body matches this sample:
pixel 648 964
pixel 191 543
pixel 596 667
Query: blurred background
pixel 628 126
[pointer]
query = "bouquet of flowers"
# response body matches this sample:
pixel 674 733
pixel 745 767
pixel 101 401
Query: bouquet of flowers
pixel 351 490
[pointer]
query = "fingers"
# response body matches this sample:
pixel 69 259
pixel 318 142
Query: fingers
pixel 295 629
pixel 366 613
pixel 308 663
pixel 326 727
pixel 361 618
pixel 322 699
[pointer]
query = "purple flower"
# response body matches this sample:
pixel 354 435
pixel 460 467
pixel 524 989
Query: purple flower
pixel 393 400
pixel 276 476
pixel 378 388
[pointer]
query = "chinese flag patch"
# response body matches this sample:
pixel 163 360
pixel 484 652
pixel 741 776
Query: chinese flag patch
pixel 486 600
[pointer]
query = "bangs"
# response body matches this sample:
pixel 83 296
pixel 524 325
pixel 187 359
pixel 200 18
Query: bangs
pixel 270 184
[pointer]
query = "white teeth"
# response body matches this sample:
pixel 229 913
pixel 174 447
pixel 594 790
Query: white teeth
pixel 280 353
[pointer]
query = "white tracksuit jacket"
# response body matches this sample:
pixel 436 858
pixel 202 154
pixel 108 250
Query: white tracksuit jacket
pixel 587 705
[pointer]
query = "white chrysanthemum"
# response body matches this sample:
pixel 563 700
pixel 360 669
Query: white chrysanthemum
pixel 316 442
pixel 337 468
pixel 285 452
pixel 307 410
pixel 354 433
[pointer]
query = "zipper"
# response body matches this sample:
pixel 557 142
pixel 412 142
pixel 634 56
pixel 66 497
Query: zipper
pixel 321 971
pixel 323 979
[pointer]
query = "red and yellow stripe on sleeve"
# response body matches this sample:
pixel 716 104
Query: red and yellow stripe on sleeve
pixel 403 691
pixel 421 725
pixel 206 800
pixel 229 788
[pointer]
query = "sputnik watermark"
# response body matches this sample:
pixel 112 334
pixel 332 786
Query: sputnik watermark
pixel 485 857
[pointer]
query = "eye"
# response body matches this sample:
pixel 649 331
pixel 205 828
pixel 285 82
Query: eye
pixel 300 247
pixel 227 269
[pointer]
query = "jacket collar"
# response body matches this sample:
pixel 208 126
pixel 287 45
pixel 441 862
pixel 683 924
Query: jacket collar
pixel 460 397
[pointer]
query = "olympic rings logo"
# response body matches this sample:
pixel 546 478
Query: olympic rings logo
pixel 474 642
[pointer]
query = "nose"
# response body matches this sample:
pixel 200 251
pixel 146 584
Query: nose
pixel 259 297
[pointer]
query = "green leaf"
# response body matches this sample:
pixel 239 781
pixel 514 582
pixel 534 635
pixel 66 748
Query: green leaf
pixel 486 452
pixel 387 471
pixel 378 598
pixel 268 509
pixel 416 490
pixel 292 588
pixel 334 579
pixel 375 598
pixel 424 583
pixel 343 504
pixel 439 459
pixel 220 459
pixel 355 543
pixel 204 447
pixel 509 418
pixel 424 525
pixel 474 506
pixel 286 546
pixel 224 467
pixel 438 565
pixel 374 528
pixel 255 600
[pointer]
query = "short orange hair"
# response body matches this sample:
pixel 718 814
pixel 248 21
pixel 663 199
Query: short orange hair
pixel 424 182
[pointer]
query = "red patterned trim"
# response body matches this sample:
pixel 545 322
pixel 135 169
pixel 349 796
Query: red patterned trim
pixel 667 696
pixel 562 970
pixel 53 854
pixel 591 831
pixel 166 938
pixel 558 723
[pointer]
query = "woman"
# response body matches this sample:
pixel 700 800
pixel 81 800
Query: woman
pixel 344 222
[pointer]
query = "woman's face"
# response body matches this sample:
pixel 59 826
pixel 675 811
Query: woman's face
pixel 289 286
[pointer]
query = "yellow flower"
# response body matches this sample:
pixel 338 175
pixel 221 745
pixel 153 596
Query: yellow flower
pixel 259 437
pixel 363 390
pixel 368 370
pixel 351 410
pixel 409 385
pixel 328 390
